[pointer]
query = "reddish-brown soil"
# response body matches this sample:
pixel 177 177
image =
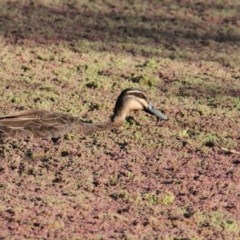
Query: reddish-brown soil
pixel 175 180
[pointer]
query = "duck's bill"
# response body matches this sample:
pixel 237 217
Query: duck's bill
pixel 151 110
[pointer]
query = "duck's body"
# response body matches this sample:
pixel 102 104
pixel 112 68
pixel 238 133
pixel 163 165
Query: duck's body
pixel 46 124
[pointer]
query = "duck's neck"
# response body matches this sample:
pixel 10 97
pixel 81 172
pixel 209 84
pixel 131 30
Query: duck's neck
pixel 115 121
pixel 90 128
pixel 119 115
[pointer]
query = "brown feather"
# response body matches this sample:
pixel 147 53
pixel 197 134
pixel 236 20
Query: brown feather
pixel 38 123
pixel 46 124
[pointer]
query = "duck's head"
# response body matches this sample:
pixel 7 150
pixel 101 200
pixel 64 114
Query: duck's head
pixel 132 99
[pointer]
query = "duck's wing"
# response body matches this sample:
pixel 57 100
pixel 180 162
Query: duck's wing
pixel 37 123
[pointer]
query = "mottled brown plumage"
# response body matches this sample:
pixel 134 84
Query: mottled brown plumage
pixel 46 124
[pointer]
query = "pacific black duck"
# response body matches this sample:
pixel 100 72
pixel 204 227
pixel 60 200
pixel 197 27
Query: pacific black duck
pixel 46 124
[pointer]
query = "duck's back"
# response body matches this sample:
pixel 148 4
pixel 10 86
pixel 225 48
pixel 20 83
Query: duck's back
pixel 38 123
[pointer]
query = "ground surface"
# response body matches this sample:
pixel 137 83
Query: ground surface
pixel 174 180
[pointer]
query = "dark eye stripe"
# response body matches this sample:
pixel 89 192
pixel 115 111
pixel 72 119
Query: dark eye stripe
pixel 136 93
pixel 139 95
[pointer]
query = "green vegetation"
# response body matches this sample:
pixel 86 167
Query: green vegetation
pixel 177 179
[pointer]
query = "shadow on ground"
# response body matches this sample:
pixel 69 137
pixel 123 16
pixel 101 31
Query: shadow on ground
pixel 116 26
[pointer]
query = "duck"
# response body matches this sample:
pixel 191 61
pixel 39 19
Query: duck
pixel 47 124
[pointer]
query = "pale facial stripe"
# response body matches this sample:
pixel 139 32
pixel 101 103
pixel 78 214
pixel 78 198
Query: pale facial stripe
pixel 137 93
